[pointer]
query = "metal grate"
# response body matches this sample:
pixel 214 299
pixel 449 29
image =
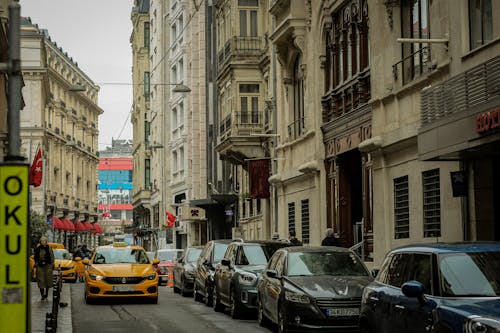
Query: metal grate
pixel 304 209
pixel 128 280
pixel 291 216
pixel 432 203
pixel 401 208
pixel 324 303
pixel 474 87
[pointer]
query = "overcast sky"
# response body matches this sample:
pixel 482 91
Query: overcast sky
pixel 95 33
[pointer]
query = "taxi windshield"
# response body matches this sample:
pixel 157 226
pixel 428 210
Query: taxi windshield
pixel 62 254
pixel 120 256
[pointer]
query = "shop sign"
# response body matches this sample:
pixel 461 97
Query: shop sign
pixel 487 121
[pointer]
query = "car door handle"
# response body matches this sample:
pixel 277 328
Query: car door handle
pixel 373 298
pixel 399 307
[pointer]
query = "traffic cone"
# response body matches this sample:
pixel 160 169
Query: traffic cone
pixel 170 282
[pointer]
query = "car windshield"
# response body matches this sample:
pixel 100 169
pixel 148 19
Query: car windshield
pixel 470 274
pixel 120 256
pixel 219 251
pixel 171 255
pixel 325 263
pixel 62 254
pixel 150 254
pixel 257 254
pixel 193 255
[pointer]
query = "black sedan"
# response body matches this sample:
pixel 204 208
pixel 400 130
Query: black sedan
pixel 312 289
pixel 184 270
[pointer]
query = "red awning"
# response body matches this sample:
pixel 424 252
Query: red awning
pixel 97 229
pixel 69 225
pixel 56 223
pixel 88 225
pixel 79 226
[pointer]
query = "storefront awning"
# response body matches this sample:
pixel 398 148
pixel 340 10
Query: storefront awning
pixel 214 200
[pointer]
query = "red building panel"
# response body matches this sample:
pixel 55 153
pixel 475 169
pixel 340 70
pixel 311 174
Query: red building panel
pixel 115 163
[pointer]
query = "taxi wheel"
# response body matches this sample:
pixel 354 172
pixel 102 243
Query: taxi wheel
pixel 74 281
pixel 88 300
pixel 153 300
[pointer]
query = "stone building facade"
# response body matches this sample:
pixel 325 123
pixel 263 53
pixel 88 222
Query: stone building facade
pixel 60 118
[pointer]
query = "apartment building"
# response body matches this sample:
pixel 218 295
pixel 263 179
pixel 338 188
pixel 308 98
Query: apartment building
pixel 60 117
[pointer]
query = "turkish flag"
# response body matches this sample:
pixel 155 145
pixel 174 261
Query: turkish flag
pixel 36 169
pixel 170 219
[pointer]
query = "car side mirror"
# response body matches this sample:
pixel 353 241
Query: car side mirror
pixel 414 289
pixel 225 262
pixel 272 274
pixel 156 261
pixel 77 259
pixel 375 272
pixel 86 261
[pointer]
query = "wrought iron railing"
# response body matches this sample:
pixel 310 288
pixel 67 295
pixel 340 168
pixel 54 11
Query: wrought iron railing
pixel 413 65
pixel 296 128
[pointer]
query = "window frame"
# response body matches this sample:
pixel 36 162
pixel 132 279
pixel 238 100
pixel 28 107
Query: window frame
pixel 482 23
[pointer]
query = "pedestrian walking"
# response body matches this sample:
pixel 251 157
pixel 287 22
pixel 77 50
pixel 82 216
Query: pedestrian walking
pixel 330 239
pixel 44 261
pixel 293 238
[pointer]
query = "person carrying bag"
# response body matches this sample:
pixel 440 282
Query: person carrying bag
pixel 44 261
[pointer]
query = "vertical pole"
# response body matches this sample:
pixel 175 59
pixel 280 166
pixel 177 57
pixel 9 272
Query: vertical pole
pixel 14 89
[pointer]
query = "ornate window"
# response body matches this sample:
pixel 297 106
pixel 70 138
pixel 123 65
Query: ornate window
pixel 297 127
pixel 347 81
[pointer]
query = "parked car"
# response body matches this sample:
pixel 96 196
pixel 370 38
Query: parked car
pixel 210 256
pixel 451 288
pixel 235 278
pixel 168 258
pixel 312 288
pixel 185 269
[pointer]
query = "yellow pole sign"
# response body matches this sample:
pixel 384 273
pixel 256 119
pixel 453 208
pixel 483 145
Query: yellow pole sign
pixel 14 228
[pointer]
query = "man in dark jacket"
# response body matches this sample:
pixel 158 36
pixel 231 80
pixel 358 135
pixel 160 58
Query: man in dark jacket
pixel 293 239
pixel 330 239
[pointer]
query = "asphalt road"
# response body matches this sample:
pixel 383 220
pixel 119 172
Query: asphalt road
pixel 173 314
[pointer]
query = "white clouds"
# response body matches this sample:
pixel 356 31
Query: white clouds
pixel 95 33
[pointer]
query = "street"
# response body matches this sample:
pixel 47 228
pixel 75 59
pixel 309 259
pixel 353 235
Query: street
pixel 173 313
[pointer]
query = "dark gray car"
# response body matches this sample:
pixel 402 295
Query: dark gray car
pixel 312 288
pixel 235 278
pixel 185 269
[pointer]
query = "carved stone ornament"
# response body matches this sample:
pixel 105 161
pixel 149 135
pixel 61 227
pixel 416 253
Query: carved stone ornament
pixel 389 6
pixel 308 14
pixel 299 42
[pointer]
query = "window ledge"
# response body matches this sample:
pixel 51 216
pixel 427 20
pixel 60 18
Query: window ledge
pixel 471 53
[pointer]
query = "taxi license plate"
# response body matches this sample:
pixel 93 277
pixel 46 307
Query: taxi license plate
pixel 342 312
pixel 123 288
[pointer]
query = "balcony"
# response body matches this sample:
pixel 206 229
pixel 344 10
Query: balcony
pixel 239 136
pixel 241 48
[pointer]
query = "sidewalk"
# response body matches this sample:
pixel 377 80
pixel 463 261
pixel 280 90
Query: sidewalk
pixel 39 309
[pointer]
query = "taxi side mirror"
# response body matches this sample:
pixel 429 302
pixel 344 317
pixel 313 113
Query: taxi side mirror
pixel 77 259
pixel 86 261
pixel 156 261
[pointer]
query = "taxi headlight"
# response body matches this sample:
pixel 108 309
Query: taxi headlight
pixel 478 324
pixel 96 277
pixel 295 297
pixel 150 276
pixel 247 279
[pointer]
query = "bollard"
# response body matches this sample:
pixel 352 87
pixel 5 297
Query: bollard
pixel 48 323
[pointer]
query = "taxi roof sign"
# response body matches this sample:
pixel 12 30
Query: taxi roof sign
pixel 119 244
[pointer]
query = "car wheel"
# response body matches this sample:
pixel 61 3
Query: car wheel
pixel 233 305
pixel 196 294
pixel 184 288
pixel 261 316
pixel 88 300
pixel 282 326
pixel 215 302
pixel 208 296
pixel 153 300
pixel 365 328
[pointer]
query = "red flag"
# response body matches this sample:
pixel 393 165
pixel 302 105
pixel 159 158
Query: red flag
pixel 258 171
pixel 170 219
pixel 106 214
pixel 36 169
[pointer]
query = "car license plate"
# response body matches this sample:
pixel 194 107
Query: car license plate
pixel 342 312
pixel 123 288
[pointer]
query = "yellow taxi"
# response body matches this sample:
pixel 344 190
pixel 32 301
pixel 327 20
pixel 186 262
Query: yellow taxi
pixel 63 259
pixel 119 270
